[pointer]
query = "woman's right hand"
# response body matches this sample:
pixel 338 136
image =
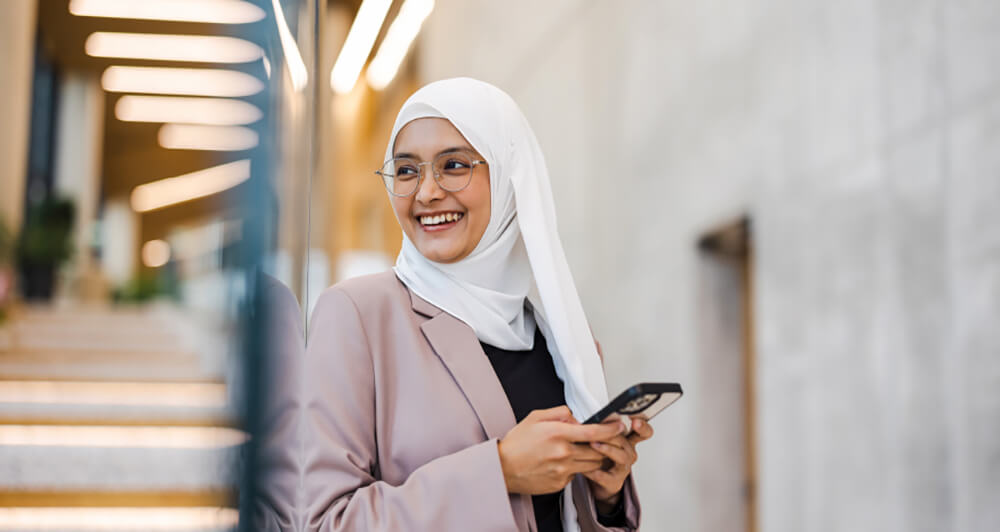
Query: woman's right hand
pixel 543 452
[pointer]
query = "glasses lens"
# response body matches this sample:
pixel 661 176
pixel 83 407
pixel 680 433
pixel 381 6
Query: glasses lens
pixel 454 170
pixel 401 176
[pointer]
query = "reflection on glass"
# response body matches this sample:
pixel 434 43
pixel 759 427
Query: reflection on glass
pixel 127 331
pixel 201 137
pixel 187 187
pixel 164 47
pixel 186 81
pixel 213 11
pixel 189 110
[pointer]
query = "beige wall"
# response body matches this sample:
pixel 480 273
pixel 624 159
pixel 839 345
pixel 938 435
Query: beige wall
pixel 862 137
pixel 17 46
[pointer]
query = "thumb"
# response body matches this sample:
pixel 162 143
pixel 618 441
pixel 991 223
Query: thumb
pixel 559 413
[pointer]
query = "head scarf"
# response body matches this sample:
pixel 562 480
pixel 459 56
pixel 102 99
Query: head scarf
pixel 519 257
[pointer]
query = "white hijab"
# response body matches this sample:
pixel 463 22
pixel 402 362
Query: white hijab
pixel 519 257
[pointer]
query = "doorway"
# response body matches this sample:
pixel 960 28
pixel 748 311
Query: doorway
pixel 727 421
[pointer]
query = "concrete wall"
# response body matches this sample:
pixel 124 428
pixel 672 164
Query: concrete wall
pixel 17 47
pixel 864 139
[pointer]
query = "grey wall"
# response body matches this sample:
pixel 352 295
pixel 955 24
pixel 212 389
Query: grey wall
pixel 864 139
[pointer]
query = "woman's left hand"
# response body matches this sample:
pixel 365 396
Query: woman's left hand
pixel 606 485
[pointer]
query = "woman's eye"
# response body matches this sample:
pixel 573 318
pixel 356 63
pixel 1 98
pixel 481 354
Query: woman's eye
pixel 406 172
pixel 455 164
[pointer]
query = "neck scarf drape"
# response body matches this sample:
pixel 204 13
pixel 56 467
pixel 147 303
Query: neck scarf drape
pixel 519 258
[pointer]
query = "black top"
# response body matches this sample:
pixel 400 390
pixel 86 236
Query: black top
pixel 529 379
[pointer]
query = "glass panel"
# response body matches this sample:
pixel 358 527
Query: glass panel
pixel 159 205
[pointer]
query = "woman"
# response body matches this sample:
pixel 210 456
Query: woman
pixel 445 394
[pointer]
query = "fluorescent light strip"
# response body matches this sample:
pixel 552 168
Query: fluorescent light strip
pixel 195 394
pixel 167 47
pixel 211 11
pixel 209 111
pixel 293 58
pixel 358 44
pixel 121 436
pixel 173 190
pixel 100 519
pixel 214 138
pixel 392 51
pixel 190 81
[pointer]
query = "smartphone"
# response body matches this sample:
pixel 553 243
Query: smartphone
pixel 644 400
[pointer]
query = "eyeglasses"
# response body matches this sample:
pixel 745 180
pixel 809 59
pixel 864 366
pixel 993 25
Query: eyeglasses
pixel 452 171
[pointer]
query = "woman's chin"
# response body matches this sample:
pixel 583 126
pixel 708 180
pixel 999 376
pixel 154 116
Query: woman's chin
pixel 438 253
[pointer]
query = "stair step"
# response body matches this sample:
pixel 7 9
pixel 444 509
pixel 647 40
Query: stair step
pixel 118 458
pixel 52 402
pixel 68 519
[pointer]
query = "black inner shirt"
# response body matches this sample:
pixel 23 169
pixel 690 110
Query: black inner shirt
pixel 529 379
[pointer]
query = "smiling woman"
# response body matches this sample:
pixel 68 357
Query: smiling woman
pixel 445 394
pixel 444 225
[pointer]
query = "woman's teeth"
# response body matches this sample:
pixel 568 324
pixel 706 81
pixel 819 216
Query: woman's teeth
pixel 441 218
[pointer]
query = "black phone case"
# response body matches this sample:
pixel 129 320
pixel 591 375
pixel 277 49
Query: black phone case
pixel 663 391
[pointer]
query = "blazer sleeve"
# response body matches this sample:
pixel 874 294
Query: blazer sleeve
pixel 460 491
pixel 586 509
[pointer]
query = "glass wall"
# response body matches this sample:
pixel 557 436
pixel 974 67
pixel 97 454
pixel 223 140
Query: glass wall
pixel 162 197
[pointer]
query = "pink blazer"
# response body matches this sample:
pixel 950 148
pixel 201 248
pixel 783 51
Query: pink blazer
pixel 402 413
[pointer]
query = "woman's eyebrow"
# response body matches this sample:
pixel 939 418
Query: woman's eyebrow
pixel 442 152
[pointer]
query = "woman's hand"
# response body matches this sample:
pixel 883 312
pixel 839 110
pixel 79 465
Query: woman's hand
pixel 606 485
pixel 543 452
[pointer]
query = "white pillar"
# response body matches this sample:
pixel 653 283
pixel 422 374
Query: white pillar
pixel 17 52
pixel 119 241
pixel 78 151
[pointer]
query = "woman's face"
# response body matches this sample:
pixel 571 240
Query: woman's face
pixel 423 139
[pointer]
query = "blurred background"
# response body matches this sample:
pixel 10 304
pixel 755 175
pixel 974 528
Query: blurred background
pixel 789 207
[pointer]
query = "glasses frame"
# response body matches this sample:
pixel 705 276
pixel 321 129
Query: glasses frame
pixel 437 176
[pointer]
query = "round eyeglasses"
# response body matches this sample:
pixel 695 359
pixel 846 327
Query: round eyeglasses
pixel 452 170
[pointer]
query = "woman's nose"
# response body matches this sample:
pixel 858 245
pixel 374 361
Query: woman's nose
pixel 428 190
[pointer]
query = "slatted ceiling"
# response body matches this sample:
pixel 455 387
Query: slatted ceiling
pixel 132 155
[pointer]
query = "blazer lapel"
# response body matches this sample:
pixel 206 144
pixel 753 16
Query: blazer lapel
pixel 457 346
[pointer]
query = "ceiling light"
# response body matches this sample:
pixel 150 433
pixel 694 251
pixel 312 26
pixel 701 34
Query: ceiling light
pixel 155 253
pixel 358 45
pixel 168 80
pixel 167 47
pixel 402 32
pixel 212 11
pixel 293 58
pixel 173 190
pixel 215 138
pixel 211 111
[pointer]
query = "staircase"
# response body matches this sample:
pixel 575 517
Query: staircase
pixel 116 419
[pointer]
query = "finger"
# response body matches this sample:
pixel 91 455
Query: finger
pixel 626 445
pixel 588 433
pixel 616 421
pixel 642 431
pixel 558 413
pixel 606 479
pixel 584 452
pixel 619 455
pixel 583 466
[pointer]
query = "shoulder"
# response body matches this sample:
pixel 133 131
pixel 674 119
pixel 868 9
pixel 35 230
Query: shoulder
pixel 375 293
